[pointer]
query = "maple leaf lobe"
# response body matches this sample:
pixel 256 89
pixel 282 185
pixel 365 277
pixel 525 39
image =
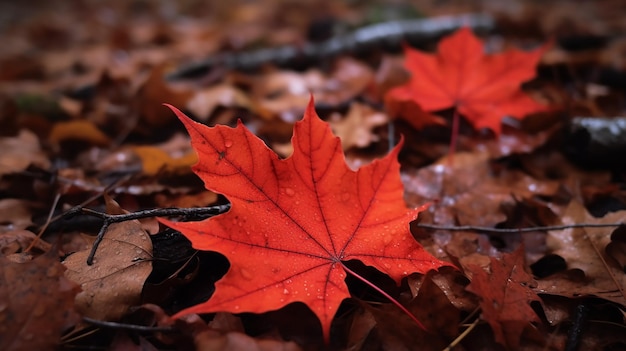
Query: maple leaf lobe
pixel 292 221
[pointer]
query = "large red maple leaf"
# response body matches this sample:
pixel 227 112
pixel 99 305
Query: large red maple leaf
pixel 484 88
pixel 293 222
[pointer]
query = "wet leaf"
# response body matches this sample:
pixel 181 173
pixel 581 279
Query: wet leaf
pixel 36 303
pixel 310 210
pixel 115 280
pixel 505 294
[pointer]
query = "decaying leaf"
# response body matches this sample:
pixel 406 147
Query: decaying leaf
pixel 476 197
pixel 115 280
pixel 79 129
pixel 36 303
pixel 156 88
pixel 204 102
pixel 18 240
pixel 584 249
pixel 15 214
pixel 21 151
pixel 155 160
pixel 505 295
pixel 293 221
pixel 355 129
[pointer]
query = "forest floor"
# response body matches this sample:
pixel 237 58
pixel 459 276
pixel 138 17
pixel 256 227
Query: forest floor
pixel 526 211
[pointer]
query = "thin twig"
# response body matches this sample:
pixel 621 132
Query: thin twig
pixel 472 228
pixel 48 220
pixel 462 335
pixel 157 212
pixel 123 326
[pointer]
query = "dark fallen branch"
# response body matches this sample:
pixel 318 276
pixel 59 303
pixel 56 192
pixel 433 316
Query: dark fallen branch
pixel 108 219
pixel 387 34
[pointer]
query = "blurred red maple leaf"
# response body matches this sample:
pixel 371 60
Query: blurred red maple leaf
pixel 294 221
pixel 505 296
pixel 484 88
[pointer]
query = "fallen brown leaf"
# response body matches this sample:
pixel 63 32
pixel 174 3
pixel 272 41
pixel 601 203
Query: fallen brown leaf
pixel 585 249
pixel 14 214
pixel 21 151
pixel 18 240
pixel 115 280
pixel 36 303
pixel 355 129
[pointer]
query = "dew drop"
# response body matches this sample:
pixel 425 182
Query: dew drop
pixel 246 274
pixel 285 291
pixel 228 143
pixel 289 191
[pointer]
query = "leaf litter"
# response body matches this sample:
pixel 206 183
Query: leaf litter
pixel 81 89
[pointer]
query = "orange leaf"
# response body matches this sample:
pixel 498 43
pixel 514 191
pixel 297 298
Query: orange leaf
pixel 505 296
pixel 484 88
pixel 294 221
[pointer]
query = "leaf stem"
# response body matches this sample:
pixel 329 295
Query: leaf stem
pixel 453 137
pixel 382 292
